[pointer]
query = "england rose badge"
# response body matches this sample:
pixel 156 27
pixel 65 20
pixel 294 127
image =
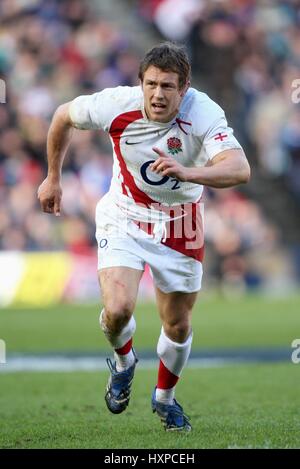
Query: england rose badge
pixel 174 145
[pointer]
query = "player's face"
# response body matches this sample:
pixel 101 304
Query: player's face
pixel 162 95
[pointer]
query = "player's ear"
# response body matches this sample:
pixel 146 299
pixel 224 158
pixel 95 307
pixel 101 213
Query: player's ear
pixel 185 88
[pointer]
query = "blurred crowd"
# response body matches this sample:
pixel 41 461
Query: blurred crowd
pixel 244 55
pixel 51 52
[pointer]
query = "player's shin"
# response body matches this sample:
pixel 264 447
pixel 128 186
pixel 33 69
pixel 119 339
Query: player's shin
pixel 121 343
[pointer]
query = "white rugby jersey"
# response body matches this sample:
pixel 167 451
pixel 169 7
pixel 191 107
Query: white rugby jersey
pixel 198 133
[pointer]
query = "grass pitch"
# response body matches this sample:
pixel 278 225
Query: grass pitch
pixel 238 407
pixel 247 406
pixel 217 322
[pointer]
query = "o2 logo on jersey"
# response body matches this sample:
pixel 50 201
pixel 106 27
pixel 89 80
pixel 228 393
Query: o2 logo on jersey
pixel 161 181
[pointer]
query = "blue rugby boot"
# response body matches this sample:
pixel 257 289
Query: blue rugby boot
pixel 119 386
pixel 171 415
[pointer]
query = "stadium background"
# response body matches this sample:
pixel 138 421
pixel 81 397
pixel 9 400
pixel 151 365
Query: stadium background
pixel 246 56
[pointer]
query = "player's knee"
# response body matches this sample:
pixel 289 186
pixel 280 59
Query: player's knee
pixel 118 313
pixel 178 331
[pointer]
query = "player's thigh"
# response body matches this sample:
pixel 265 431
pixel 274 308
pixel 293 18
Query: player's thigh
pixel 175 310
pixel 119 288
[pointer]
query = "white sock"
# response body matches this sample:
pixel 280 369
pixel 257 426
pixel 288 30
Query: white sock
pixel 173 357
pixel 123 360
pixel 165 396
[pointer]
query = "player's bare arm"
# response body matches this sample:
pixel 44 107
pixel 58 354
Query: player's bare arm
pixel 58 139
pixel 228 168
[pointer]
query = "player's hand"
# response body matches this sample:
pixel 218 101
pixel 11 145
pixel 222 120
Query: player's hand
pixel 49 195
pixel 167 166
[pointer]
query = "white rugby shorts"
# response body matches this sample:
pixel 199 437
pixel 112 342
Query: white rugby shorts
pixel 121 243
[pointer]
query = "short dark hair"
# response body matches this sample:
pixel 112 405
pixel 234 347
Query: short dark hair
pixel 168 57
